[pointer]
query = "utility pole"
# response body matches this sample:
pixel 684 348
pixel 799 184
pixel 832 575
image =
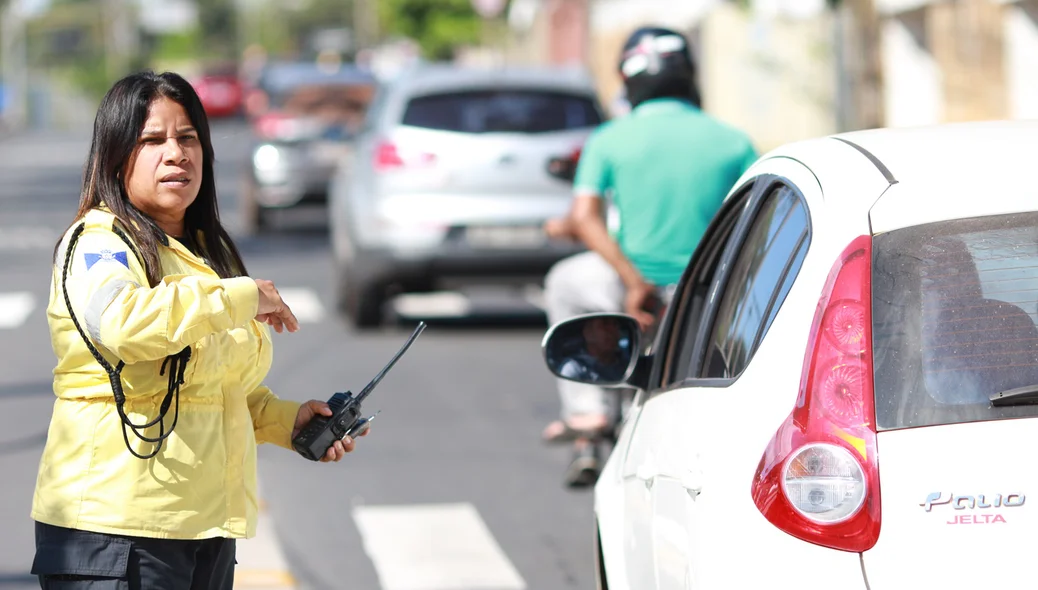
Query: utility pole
pixel 864 62
pixel 365 24
pixel 120 36
pixel 14 67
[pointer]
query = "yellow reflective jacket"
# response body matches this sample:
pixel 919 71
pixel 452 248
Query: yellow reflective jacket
pixel 203 482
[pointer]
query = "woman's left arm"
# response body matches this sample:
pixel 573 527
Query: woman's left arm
pixel 277 420
pixel 272 418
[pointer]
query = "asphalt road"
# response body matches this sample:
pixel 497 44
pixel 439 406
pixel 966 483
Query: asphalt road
pixel 451 491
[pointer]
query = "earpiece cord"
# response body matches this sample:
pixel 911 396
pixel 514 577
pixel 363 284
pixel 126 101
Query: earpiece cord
pixel 176 363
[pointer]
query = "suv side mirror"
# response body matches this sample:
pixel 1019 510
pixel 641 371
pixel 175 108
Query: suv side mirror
pixel 598 349
pixel 563 168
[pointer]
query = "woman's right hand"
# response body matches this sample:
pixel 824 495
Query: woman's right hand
pixel 273 310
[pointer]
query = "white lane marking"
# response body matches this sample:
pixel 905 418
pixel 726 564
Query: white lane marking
pixel 28 238
pixel 434 547
pixel 261 563
pixel 304 303
pixel 534 295
pixel 15 309
pixel 438 304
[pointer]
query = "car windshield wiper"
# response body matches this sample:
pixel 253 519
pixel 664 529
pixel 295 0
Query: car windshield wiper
pixel 1020 396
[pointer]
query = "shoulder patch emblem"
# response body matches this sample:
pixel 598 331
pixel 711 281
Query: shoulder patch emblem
pixel 106 255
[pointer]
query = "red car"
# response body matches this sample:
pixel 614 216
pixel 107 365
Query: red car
pixel 222 95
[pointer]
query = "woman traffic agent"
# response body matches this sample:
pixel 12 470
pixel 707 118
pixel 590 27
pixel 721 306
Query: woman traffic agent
pixel 162 343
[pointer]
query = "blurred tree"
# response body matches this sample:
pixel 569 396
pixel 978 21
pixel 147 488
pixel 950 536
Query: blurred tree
pixel 68 42
pixel 438 26
pixel 219 34
pixel 177 47
pixel 286 29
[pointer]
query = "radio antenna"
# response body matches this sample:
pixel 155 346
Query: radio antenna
pixel 370 386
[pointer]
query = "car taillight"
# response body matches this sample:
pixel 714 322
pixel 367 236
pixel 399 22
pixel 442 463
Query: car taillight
pixel 819 477
pixel 267 126
pixel 389 157
pixel 574 156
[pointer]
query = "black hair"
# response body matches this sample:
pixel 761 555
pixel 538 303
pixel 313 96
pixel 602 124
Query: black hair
pixel 117 127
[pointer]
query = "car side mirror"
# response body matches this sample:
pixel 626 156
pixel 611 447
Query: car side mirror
pixel 598 349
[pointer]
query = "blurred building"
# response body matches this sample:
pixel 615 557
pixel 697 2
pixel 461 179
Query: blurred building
pixel 791 69
pixel 959 61
pixel 552 32
pixel 769 70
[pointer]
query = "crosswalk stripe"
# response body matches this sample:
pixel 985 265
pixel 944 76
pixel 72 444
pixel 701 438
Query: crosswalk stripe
pixel 429 305
pixel 261 562
pixel 434 547
pixel 15 309
pixel 304 304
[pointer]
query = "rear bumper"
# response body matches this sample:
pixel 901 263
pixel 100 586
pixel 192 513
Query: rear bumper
pixel 292 194
pixel 301 186
pixel 295 179
pixel 460 264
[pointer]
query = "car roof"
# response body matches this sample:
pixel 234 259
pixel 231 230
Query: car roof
pixel 932 173
pixel 922 153
pixel 440 77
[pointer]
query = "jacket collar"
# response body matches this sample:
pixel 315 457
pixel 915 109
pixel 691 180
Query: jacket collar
pixel 165 240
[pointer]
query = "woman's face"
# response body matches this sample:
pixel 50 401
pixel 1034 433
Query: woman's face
pixel 164 173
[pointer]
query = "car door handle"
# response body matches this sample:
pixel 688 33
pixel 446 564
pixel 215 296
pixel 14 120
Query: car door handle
pixel 646 474
pixel 692 482
pixel 689 479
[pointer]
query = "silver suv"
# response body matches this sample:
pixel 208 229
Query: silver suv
pixel 449 181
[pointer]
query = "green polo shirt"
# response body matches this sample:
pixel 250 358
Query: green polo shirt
pixel 669 167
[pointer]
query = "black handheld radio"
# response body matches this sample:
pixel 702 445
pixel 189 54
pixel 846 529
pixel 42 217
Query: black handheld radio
pixel 322 431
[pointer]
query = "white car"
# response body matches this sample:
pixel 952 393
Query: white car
pixel 844 391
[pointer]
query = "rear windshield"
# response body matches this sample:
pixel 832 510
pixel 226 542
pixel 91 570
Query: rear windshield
pixel 498 111
pixel 955 308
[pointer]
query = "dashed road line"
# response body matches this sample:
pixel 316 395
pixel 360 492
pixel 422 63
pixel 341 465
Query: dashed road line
pixel 304 304
pixel 15 309
pixel 432 305
pixel 261 562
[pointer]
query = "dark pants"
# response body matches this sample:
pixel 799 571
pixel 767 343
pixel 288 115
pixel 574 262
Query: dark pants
pixel 69 559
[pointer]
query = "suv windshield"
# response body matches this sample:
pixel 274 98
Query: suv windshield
pixel 490 111
pixel 955 308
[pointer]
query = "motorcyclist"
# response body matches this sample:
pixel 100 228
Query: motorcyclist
pixel 666 167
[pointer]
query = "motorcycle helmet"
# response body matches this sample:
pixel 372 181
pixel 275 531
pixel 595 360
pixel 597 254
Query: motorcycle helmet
pixel 657 63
